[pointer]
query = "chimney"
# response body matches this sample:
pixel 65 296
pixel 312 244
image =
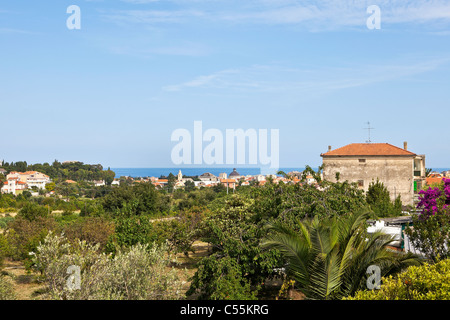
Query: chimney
pixel 405 145
pixel 329 148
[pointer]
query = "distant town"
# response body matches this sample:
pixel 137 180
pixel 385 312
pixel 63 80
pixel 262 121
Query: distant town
pixel 400 170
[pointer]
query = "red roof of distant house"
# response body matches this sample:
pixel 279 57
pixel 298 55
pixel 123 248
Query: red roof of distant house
pixel 434 179
pixel 18 182
pixel 369 149
pixel 27 173
pixel 227 180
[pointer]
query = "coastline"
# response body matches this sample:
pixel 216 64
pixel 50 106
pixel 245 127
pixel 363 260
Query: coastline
pixel 196 171
pixel 157 172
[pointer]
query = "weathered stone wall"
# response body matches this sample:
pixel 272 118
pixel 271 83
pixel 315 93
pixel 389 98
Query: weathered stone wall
pixel 396 173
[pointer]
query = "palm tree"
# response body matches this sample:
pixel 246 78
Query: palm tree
pixel 328 258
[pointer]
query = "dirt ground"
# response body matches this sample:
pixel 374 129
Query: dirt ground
pixel 187 264
pixel 25 284
pixel 5 214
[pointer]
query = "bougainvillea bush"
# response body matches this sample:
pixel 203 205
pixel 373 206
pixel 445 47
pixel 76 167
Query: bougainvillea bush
pixel 434 199
pixel 430 231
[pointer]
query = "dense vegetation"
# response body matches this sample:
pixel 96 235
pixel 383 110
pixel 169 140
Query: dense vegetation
pixel 426 282
pixel 57 171
pixel 311 237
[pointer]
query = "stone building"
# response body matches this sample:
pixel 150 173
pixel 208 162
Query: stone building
pixel 400 170
pixel 208 177
pixel 234 174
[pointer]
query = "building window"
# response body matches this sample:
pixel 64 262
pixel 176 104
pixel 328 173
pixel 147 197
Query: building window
pixel 361 183
pixel 362 160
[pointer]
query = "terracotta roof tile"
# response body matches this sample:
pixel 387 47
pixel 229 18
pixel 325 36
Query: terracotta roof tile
pixel 369 149
pixel 227 180
pixel 434 180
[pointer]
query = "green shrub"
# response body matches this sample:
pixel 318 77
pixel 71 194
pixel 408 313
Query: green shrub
pixel 180 232
pixel 94 230
pixel 430 235
pixel 130 231
pixel 4 221
pixel 426 282
pixel 137 273
pixel 31 211
pixel 379 200
pixel 8 201
pixel 221 279
pixel 234 237
pixel 6 289
pixel 24 235
pixel 144 197
pixel 4 249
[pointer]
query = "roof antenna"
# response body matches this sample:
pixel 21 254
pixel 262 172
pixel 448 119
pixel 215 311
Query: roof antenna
pixel 368 128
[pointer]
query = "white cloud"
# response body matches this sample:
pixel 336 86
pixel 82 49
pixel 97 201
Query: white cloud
pixel 215 80
pixel 151 16
pixel 16 31
pixel 140 1
pixel 184 49
pixel 312 14
pixel 280 79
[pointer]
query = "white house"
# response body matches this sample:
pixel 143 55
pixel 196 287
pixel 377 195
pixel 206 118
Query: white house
pixel 396 228
pixel 99 183
pixel 395 231
pixel 14 186
pixel 30 178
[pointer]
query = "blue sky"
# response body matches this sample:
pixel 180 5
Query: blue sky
pixel 114 91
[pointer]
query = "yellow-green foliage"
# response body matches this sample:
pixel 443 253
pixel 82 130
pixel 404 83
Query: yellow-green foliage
pixel 425 282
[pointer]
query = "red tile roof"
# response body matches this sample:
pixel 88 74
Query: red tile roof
pixel 227 180
pixel 369 149
pixel 18 182
pixel 434 179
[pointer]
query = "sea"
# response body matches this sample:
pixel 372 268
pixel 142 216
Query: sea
pixel 192 172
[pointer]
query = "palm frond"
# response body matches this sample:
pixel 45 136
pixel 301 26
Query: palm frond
pixel 293 247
